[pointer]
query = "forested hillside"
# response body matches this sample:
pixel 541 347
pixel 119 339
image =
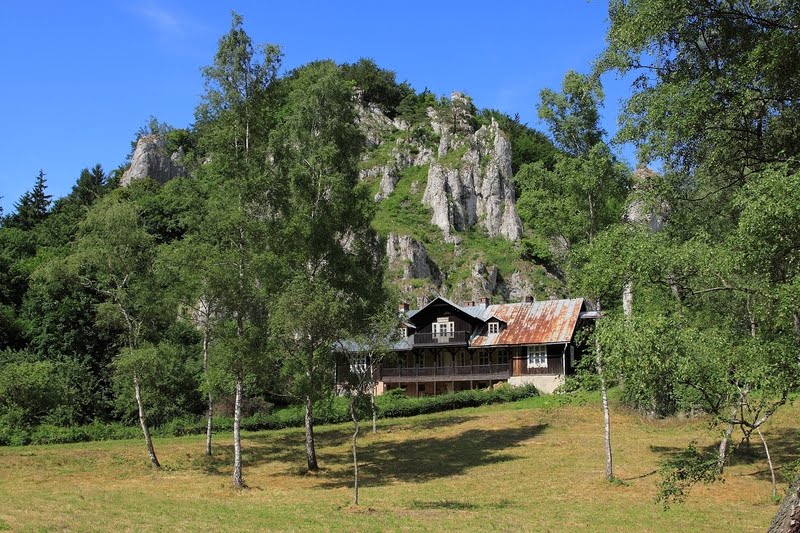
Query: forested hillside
pixel 225 259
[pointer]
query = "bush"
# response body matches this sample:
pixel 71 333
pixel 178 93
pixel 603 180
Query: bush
pixel 392 404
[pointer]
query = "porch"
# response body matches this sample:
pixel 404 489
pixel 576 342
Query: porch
pixel 489 372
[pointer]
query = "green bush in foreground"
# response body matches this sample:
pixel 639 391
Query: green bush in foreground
pixel 390 405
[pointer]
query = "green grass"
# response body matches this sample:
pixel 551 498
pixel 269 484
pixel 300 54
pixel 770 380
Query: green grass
pixel 531 465
pixel 403 212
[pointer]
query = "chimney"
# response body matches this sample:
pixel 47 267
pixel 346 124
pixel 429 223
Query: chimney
pixel 403 308
pixel 529 299
pixel 486 301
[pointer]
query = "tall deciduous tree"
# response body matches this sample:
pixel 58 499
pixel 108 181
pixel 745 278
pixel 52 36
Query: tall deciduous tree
pixel 113 256
pixel 584 192
pixel 241 213
pixel 730 172
pixel 334 254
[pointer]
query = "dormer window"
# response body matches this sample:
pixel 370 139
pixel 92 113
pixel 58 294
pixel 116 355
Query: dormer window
pixel 402 332
pixel 494 328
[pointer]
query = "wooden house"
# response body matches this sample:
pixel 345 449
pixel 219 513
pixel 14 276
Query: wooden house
pixel 445 347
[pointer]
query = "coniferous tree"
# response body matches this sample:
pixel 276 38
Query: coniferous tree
pixel 32 207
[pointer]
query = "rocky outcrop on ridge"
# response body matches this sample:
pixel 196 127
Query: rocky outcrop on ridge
pixel 410 256
pixel 470 182
pixel 151 160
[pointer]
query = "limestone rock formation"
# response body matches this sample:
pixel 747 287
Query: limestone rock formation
pixel 518 287
pixel 403 155
pixel 475 188
pixel 409 255
pixel 151 160
pixel 483 281
pixel 639 211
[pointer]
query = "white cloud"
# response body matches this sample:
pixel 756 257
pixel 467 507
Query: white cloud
pixel 162 19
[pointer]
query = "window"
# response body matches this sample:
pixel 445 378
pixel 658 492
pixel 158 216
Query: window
pixel 483 357
pixel 537 356
pixel 502 357
pixel 402 333
pixel 443 330
pixel 358 364
pixel 494 327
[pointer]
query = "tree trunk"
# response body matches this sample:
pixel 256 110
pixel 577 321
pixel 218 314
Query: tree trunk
pixel 606 427
pixel 372 389
pixel 210 398
pixel 355 455
pixel 606 413
pixel 723 449
pixel 209 425
pixel 627 299
pixel 787 519
pixel 311 453
pixel 374 410
pixel 723 444
pixel 769 462
pixel 148 441
pixel 238 481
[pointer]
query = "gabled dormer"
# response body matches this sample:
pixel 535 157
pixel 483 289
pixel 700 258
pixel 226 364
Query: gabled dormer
pixel 495 325
pixel 442 322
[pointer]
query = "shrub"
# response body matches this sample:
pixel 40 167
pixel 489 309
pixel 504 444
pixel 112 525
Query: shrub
pixel 392 404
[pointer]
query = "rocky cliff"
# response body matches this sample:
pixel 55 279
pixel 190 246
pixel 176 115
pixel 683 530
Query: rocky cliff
pixel 470 184
pixel 151 160
pixel 447 205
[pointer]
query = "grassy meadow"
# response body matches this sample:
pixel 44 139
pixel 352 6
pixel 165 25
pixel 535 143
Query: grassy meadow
pixel 533 465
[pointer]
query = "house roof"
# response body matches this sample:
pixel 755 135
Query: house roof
pixel 545 322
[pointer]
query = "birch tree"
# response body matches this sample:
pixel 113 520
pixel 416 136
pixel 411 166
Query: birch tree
pixel 240 212
pixel 335 256
pixel 113 256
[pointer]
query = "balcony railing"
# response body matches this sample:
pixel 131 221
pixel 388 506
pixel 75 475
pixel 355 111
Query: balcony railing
pixel 446 373
pixel 451 338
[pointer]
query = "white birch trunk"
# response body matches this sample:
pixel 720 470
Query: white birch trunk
pixel 355 454
pixel 210 398
pixel 627 299
pixel 148 441
pixel 606 413
pixel 311 453
pixel 238 481
pixel 769 462
pixel 374 411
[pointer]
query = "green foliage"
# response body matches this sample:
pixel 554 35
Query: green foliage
pixel 30 390
pixel 378 86
pixel 32 208
pixel 169 378
pixel 413 108
pixel 390 405
pixel 403 211
pixel 685 469
pixel 572 115
pixel 577 198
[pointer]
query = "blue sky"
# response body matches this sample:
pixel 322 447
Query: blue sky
pixel 81 77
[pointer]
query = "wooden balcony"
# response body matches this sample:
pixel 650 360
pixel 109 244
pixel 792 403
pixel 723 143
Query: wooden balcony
pixel 445 373
pixel 452 338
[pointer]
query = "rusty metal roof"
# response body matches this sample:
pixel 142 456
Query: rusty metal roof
pixel 545 322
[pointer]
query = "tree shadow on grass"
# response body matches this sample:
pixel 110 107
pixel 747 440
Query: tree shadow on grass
pixel 289 446
pixel 423 459
pixel 784 448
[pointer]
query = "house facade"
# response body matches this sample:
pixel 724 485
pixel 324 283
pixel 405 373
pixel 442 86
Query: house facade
pixel 445 347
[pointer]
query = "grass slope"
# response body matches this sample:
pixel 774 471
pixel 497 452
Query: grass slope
pixel 531 465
